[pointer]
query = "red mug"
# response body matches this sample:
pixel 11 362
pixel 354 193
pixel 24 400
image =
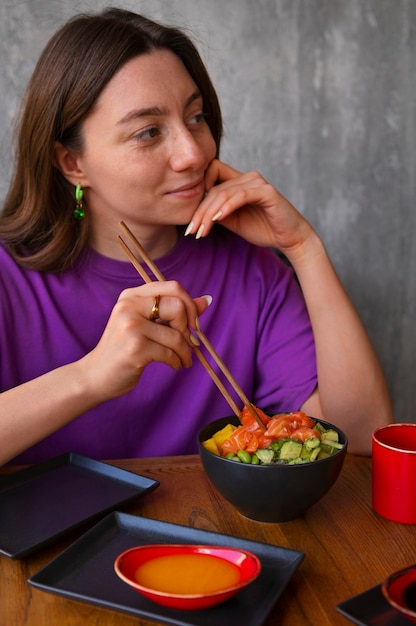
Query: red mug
pixel 394 472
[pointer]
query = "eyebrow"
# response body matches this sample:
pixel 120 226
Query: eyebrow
pixel 149 111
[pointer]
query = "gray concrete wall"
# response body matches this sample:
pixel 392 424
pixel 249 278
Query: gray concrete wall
pixel 320 96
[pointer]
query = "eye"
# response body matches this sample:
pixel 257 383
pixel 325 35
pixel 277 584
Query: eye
pixel 197 119
pixel 149 134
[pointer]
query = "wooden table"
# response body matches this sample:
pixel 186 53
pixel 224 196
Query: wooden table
pixel 348 548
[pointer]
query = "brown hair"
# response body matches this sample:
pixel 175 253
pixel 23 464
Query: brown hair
pixel 37 222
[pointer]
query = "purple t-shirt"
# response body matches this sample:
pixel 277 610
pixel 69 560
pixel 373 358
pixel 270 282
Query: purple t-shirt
pixel 257 323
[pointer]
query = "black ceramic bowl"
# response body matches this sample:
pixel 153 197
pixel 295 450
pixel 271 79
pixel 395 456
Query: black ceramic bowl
pixel 270 493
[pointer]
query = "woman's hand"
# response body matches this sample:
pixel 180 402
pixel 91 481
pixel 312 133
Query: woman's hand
pixel 252 208
pixel 131 340
pixel 32 411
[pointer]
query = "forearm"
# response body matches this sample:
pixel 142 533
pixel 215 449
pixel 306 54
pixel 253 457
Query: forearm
pixel 32 411
pixel 352 391
pixel 352 388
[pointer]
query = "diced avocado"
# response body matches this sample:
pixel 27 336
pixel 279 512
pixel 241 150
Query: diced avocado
pixel 315 453
pixel 305 453
pixel 330 434
pixel 318 426
pixel 211 446
pixel 331 443
pixel 297 461
pixel 290 450
pixel 310 454
pixel 328 448
pixel 222 435
pixel 324 452
pixel 265 455
pixel 311 443
pixel 278 443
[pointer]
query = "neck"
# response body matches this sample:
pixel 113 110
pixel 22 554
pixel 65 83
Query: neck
pixel 157 241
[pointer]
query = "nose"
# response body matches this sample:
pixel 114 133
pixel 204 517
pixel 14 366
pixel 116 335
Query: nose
pixel 187 151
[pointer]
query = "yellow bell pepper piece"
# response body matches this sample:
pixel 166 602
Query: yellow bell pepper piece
pixel 211 446
pixel 222 435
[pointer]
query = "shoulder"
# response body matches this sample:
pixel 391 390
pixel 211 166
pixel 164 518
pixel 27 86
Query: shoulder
pixel 17 282
pixel 7 262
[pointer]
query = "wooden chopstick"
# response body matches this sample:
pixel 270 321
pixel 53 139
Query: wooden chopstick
pixel 195 348
pixel 152 266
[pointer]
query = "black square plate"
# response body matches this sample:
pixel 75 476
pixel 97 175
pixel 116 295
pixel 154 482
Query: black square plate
pixel 85 572
pixel 43 502
pixel 370 608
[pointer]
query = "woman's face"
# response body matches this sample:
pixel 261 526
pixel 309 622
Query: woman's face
pixel 146 146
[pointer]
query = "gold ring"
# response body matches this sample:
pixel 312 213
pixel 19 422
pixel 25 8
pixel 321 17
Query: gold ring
pixel 154 313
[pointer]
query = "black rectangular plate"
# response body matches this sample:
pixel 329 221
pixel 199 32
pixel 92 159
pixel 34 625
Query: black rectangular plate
pixel 42 503
pixel 85 572
pixel 370 608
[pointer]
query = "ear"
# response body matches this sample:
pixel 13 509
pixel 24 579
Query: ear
pixel 67 163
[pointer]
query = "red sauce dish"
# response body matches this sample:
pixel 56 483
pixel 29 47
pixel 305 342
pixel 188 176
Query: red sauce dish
pixel 399 589
pixel 187 577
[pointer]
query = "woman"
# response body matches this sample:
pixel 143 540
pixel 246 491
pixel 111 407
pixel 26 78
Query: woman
pixel 121 122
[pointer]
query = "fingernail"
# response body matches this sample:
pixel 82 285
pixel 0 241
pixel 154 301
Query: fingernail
pixel 217 216
pixel 188 228
pixel 208 298
pixel 194 340
pixel 199 232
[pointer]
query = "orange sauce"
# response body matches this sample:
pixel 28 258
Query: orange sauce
pixel 187 574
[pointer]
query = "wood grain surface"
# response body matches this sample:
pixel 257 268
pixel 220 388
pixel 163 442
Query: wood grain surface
pixel 348 547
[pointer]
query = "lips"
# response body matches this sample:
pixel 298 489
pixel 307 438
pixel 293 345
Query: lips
pixel 189 189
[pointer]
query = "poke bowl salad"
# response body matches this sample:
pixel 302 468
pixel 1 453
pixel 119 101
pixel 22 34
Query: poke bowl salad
pixel 288 438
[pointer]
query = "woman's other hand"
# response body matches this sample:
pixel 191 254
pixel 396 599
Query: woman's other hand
pixel 250 207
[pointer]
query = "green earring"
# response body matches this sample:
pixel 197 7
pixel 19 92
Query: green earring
pixel 79 212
